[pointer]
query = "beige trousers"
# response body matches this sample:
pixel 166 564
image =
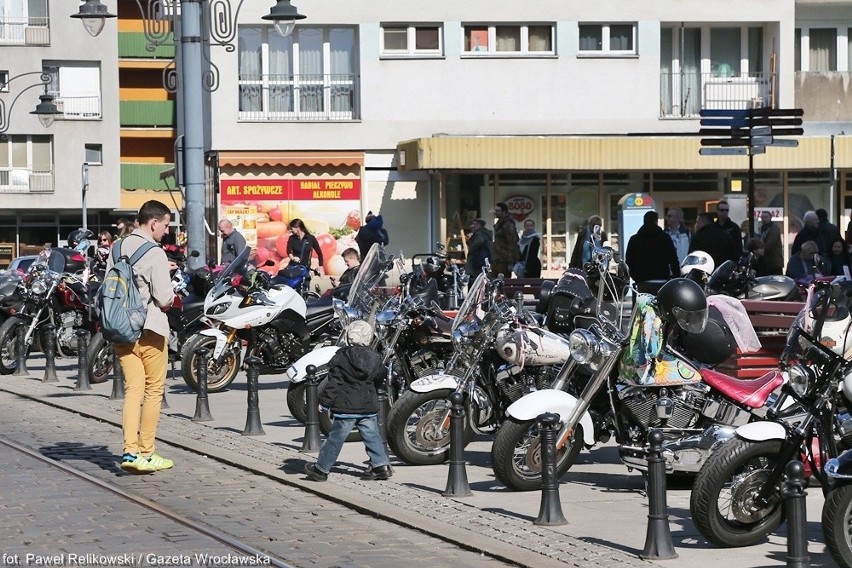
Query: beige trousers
pixel 144 364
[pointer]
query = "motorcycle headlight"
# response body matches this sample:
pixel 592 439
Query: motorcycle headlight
pixel 799 379
pixel 583 346
pixel 291 373
pixel 218 309
pixel 39 287
pixel 345 313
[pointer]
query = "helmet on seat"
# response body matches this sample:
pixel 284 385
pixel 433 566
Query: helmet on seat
pixel 683 301
pixel 77 235
pixel 698 260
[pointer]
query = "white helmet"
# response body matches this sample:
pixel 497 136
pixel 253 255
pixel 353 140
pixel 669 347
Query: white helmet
pixel 698 260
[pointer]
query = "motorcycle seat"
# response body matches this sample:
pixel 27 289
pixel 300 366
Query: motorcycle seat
pixel 750 392
pixel 318 306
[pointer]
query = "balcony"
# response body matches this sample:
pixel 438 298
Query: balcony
pixel 21 180
pixel 24 31
pixel 684 95
pixel 79 106
pixel 147 114
pixel 299 97
pixel 133 45
pixel 143 176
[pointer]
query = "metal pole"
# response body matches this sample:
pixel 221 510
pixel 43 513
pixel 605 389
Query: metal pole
pixel 550 510
pixel 202 405
pixel 253 424
pixel 49 340
pixel 85 174
pixel 82 361
pixel 312 441
pixel 21 350
pixel 193 149
pixel 117 376
pixel 797 517
pixel 658 538
pixel 457 484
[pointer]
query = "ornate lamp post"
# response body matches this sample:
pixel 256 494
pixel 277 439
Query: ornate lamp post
pixel 200 22
pixel 45 110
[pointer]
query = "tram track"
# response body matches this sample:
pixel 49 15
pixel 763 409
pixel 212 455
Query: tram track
pixel 243 550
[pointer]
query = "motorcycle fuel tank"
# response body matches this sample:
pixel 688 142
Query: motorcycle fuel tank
pixel 531 346
pixel 773 287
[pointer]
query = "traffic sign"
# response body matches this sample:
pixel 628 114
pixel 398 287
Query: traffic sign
pixel 761 140
pixel 734 151
pixel 761 131
pixel 757 150
pixel 785 143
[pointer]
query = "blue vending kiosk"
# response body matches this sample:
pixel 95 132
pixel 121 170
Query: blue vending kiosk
pixel 631 212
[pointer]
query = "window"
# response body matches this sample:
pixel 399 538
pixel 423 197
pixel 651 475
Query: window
pixel 309 75
pixel 94 154
pixel 506 39
pixel 822 55
pixel 413 40
pixel 26 164
pixel 4 81
pixel 76 86
pixel 23 22
pixel 616 39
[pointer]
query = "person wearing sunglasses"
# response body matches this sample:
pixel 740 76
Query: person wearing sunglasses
pixel 723 219
pixel 102 251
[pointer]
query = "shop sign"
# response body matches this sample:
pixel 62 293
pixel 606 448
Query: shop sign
pixel 776 212
pixel 289 189
pixel 520 206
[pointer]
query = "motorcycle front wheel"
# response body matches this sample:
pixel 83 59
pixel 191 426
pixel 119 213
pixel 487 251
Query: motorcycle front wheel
pixel 218 377
pixel 296 402
pixel 9 346
pixel 837 524
pixel 516 454
pixel 99 357
pixel 415 431
pixel 723 496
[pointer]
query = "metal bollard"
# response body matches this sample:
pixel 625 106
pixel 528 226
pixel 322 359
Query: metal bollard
pixel 117 377
pixel 457 485
pixel 49 340
pixel 797 518
pixel 253 425
pixel 202 406
pixel 382 417
pixel 519 301
pixel 658 539
pixel 21 351
pixel 82 361
pixel 312 432
pixel 550 511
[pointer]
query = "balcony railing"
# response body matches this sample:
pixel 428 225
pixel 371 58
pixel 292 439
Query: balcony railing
pixel 686 94
pixel 81 106
pixel 150 114
pixel 20 180
pixel 24 31
pixel 133 45
pixel 299 97
pixel 143 176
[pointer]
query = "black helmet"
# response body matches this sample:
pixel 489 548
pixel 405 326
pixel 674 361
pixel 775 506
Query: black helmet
pixel 77 235
pixel 683 301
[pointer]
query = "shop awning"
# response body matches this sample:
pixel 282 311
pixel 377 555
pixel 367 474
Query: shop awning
pixel 302 159
pixel 613 153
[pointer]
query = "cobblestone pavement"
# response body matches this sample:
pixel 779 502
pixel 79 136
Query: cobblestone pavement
pixel 47 513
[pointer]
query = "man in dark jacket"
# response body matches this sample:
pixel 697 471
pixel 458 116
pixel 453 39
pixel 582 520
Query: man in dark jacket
pixel 714 240
pixel 651 254
pixel 371 232
pixel 723 210
pixel 772 261
pixel 478 248
pixel 354 375
pixel 504 251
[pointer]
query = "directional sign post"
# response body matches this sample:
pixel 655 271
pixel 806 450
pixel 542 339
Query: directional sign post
pixel 740 132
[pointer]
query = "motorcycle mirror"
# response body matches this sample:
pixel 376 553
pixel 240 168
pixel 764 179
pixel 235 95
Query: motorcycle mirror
pixel 195 254
pixel 236 280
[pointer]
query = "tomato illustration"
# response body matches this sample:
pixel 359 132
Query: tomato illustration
pixel 281 245
pixel 353 219
pixel 327 244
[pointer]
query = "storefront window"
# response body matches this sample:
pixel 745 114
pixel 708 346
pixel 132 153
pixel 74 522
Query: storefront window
pixel 573 199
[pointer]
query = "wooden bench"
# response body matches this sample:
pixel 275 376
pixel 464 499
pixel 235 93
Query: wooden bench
pixel 771 320
pixel 529 287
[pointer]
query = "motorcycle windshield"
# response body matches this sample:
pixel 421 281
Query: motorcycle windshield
pixel 476 294
pixel 223 280
pixel 370 274
pixel 721 275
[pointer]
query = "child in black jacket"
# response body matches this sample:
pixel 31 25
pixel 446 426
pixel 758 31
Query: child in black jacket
pixel 354 374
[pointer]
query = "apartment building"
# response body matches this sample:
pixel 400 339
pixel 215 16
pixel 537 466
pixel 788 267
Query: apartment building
pixel 42 174
pixel 432 112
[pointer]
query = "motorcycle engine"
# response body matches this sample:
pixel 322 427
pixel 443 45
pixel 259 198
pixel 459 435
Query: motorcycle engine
pixel 66 340
pixel 425 363
pixel 514 381
pixel 656 407
pixel 278 348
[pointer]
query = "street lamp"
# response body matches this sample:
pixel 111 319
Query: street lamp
pixel 46 110
pixel 196 28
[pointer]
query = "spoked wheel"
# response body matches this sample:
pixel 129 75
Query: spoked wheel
pixel 99 357
pixel 837 524
pixel 219 377
pixel 725 503
pixel 9 346
pixel 418 429
pixel 516 454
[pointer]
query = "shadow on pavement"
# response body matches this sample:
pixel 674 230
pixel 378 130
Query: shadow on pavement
pixel 98 455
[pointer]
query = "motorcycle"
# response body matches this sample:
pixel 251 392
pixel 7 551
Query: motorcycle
pixel 367 296
pixel 736 499
pixel 48 297
pixel 298 277
pixel 739 281
pixel 486 332
pixel 244 306
pixel 185 318
pixel 837 510
pixel 647 379
pixel 440 268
